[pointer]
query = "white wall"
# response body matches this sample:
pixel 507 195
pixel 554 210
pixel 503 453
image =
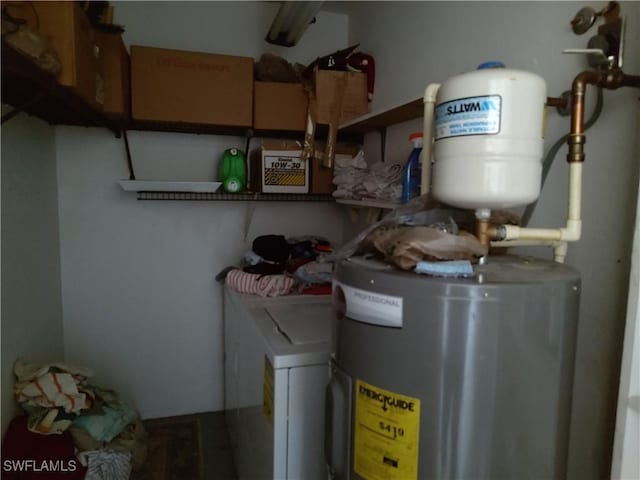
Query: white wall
pixel 416 43
pixel 141 305
pixel 31 307
pixel 232 28
pixel 625 463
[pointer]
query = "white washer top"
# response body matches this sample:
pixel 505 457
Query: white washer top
pixel 303 323
pixel 296 329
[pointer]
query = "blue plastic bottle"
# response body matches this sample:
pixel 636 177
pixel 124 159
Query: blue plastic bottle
pixel 412 171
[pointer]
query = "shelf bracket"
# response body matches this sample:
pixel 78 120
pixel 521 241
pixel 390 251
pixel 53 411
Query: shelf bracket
pixel 132 175
pixel 16 111
pixel 249 135
pixel 250 210
pixel 383 142
pixel 371 216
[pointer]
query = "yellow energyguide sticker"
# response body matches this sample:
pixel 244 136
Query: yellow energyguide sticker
pixel 386 436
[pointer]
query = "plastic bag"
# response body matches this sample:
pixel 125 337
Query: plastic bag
pixel 421 229
pixel 405 246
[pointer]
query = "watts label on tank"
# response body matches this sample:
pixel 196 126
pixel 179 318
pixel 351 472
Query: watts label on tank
pixel 386 434
pixel 468 116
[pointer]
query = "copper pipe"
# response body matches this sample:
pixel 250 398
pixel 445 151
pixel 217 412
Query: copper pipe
pixel 630 81
pixel 557 102
pixel 612 80
pixel 482 231
pixel 494 233
pixel 578 90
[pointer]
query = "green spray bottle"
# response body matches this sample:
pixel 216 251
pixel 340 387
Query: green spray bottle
pixel 233 171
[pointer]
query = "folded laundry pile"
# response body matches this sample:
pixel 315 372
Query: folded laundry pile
pixel 280 266
pixel 61 403
pixel 354 179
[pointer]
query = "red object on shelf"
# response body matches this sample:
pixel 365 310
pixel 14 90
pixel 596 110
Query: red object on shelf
pixel 361 62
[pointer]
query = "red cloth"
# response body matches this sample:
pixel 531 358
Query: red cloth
pixel 317 290
pixel 31 456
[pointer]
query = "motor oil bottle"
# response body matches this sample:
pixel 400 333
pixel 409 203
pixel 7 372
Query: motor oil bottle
pixel 233 171
pixel 412 171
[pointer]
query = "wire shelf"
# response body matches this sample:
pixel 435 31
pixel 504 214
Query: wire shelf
pixel 230 197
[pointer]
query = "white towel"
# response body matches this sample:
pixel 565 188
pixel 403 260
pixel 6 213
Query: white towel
pixel 354 180
pixel 344 161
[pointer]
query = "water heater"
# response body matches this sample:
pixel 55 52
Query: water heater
pixel 488 139
pixel 452 378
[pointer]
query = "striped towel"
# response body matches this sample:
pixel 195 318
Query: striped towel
pixel 106 464
pixel 53 390
pixel 263 285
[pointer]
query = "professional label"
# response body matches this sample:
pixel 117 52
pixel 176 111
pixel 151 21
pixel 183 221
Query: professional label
pixel 371 307
pixel 267 389
pixel 287 171
pixel 468 116
pixel 386 434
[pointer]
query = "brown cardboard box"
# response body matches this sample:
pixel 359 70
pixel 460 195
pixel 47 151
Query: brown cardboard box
pixel 354 100
pixel 322 177
pixel 68 29
pixel 191 87
pixel 279 106
pixel 114 67
pixel 276 167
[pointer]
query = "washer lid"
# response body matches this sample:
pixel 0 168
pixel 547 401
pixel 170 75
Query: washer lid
pixel 303 323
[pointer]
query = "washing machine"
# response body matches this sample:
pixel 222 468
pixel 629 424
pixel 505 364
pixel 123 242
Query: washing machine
pixel 277 365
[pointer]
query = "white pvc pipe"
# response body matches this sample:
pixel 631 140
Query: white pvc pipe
pixel 560 252
pixel 427 135
pixel 575 195
pixel 559 248
pixel 573 229
pixel 524 243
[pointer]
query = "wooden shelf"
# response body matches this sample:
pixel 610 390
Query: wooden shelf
pixel 380 120
pixel 30 89
pixel 383 118
pixel 238 131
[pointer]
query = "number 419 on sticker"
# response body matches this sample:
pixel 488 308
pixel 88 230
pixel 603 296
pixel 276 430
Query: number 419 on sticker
pixel 386 434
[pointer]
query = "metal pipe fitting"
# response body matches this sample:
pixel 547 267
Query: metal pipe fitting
pixel 482 231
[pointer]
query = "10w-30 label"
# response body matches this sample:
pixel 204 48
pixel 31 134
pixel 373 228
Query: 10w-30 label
pixel 284 171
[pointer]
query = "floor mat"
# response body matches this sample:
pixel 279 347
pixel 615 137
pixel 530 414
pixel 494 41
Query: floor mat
pixel 174 449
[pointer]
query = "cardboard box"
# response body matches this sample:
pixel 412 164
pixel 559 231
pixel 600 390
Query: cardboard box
pixel 354 100
pixel 191 87
pixel 322 177
pixel 68 29
pixel 276 167
pixel 114 68
pixel 283 106
pixel 279 106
